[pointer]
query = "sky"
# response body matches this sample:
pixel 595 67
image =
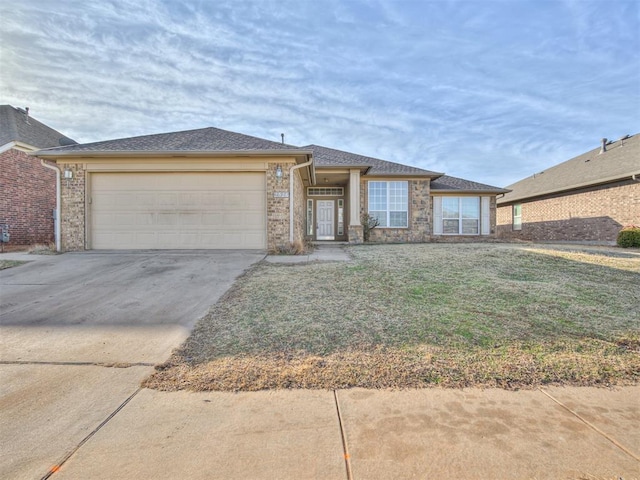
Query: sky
pixel 488 90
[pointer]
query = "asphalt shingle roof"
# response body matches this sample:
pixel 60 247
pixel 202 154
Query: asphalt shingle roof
pixel 448 183
pixel 621 159
pixel 201 140
pixel 16 126
pixel 329 157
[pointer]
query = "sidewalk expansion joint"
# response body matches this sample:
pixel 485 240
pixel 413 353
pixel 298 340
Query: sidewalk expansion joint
pixel 79 364
pixel 592 426
pixel 345 446
pixel 58 466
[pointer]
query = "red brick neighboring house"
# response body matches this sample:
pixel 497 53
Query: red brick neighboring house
pixel 28 190
pixel 586 199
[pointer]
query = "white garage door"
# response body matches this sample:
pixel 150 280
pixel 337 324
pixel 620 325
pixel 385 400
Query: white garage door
pixel 178 210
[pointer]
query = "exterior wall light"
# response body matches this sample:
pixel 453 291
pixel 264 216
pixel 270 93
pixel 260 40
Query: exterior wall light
pixel 279 173
pixel 68 174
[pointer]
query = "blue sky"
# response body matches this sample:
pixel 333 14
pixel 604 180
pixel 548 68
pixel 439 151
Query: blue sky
pixel 491 91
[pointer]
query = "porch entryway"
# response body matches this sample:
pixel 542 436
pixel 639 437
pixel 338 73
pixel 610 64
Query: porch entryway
pixel 326 220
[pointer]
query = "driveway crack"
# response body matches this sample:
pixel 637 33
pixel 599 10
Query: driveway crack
pixel 345 446
pixel 58 465
pixel 589 424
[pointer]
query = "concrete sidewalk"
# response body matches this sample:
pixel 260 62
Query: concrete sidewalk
pixel 578 433
pixel 331 252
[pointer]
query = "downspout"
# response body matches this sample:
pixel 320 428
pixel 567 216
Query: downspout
pixel 291 170
pixel 57 223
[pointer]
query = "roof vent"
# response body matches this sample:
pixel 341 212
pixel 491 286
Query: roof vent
pixel 603 147
pixel 26 114
pixel 622 139
pixel 282 135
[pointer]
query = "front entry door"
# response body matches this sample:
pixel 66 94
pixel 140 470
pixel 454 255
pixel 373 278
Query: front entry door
pixel 325 220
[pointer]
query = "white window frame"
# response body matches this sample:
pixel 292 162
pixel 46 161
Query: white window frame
pixel 388 211
pixel 484 216
pixel 309 216
pixel 517 218
pixel 325 191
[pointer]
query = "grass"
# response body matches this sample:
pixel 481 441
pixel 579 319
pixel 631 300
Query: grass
pixel 9 263
pixel 422 315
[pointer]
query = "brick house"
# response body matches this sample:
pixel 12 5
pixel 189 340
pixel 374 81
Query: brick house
pixel 586 199
pixel 215 189
pixel 28 199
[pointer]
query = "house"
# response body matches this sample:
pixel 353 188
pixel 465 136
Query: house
pixel 28 199
pixel 586 199
pixel 215 189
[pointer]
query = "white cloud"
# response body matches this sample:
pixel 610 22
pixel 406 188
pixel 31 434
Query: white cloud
pixel 484 90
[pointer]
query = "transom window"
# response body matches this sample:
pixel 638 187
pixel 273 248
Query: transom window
pixel 389 203
pixel 460 215
pixel 325 191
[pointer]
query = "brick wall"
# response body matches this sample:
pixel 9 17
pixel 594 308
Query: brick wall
pixel 72 199
pixel 588 215
pixel 419 229
pixel 299 208
pixel 28 198
pixel 278 207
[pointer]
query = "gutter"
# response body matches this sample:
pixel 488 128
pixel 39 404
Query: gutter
pixel 57 220
pixel 312 178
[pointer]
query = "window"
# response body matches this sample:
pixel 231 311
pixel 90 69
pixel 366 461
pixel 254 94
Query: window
pixel 340 217
pixel 309 217
pixel 325 191
pixel 461 215
pixel 517 216
pixel 389 203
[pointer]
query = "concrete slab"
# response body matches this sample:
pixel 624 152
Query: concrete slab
pixel 108 307
pixel 615 412
pixel 474 434
pixel 324 253
pixel 48 409
pixel 260 435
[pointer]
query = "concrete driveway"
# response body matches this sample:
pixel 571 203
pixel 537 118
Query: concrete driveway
pixel 79 332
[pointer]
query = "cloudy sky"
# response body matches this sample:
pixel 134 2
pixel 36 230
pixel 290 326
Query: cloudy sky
pixel 488 90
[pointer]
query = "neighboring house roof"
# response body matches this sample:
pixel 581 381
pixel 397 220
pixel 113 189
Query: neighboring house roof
pixel 454 184
pixel 17 126
pixel 201 140
pixel 329 157
pixel 620 160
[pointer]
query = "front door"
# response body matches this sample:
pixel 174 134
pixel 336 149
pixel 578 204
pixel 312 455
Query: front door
pixel 325 220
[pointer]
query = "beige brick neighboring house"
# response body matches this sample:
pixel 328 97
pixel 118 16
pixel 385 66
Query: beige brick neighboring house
pixel 28 189
pixel 586 199
pixel 215 189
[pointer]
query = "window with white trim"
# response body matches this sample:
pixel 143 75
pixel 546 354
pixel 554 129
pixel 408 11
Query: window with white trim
pixel 325 191
pixel 389 203
pixel 517 216
pixel 461 215
pixel 309 217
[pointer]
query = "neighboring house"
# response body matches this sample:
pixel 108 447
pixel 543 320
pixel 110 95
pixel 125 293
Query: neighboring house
pixel 586 199
pixel 28 199
pixel 215 189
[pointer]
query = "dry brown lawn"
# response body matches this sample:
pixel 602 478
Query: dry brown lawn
pixel 9 263
pixel 405 316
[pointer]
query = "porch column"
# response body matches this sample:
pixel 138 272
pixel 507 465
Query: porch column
pixel 355 228
pixel 354 196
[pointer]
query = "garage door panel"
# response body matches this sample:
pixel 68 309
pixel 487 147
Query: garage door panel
pixel 178 210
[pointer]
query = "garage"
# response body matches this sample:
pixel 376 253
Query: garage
pixel 177 210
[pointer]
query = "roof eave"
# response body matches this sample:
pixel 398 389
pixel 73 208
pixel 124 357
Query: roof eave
pixel 432 176
pixel 578 186
pixel 475 191
pixel 51 153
